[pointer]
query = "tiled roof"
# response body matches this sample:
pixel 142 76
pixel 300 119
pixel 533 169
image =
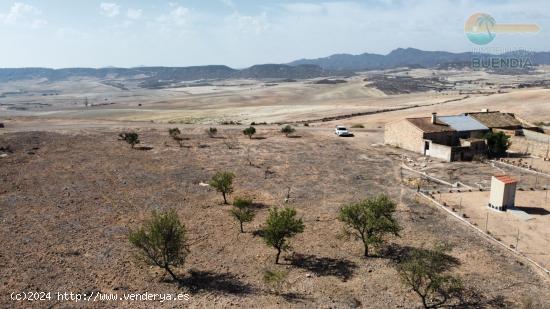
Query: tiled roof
pixel 506 179
pixel 496 119
pixel 425 124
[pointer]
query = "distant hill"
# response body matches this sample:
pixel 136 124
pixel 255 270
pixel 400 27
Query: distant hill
pixel 154 77
pixel 401 57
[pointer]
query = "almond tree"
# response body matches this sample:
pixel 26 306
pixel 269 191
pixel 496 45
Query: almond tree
pixel 281 225
pixel 370 220
pixel 162 241
pixel 223 182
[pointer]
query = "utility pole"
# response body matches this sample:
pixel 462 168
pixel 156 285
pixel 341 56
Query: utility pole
pixel 486 222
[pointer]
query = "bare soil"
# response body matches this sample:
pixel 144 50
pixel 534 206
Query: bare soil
pixel 68 201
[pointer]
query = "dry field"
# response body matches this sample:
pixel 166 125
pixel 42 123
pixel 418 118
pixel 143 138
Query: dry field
pixel 69 198
pixel 249 101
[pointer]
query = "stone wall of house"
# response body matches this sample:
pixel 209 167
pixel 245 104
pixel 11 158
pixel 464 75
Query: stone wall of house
pixel 404 135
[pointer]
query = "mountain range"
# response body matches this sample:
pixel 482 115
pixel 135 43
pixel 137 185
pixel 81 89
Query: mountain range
pixel 335 65
pixel 411 57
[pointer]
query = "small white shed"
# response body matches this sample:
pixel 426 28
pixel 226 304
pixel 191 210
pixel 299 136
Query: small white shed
pixel 503 192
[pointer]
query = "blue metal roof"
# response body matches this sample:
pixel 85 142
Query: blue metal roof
pixel 462 123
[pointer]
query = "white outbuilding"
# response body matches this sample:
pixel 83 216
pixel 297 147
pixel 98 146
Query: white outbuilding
pixel 503 192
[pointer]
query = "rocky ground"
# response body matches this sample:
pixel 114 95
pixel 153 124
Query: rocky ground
pixel 68 201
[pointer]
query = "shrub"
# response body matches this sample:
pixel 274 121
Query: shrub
pixel 280 225
pixel 162 241
pixel 241 211
pixel 174 132
pixel 275 279
pixel 288 129
pixel 223 182
pixel 306 124
pixel 370 220
pixel 426 273
pixel 131 138
pixel 249 132
pixel 231 143
pixel 212 132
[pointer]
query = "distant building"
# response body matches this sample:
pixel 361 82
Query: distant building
pixel 450 138
pixel 503 193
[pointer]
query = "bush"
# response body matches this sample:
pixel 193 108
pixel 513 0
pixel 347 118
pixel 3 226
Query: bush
pixel 249 132
pixel 223 182
pixel 131 138
pixel 288 129
pixel 370 220
pixel 161 241
pixel 212 132
pixel 241 211
pixel 280 225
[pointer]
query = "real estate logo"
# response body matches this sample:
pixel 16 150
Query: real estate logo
pixel 481 28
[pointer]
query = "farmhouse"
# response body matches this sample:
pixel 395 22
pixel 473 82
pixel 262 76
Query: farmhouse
pixel 449 138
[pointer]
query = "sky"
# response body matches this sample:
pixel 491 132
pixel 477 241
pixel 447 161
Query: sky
pixel 241 33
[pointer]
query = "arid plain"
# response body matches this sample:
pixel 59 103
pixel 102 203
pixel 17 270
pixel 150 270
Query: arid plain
pixel 71 191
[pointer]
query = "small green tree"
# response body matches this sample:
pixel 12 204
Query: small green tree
pixel 280 225
pixel 241 211
pixel 370 220
pixel 131 138
pixel 223 182
pixel 249 132
pixel 212 132
pixel 162 241
pixel 497 143
pixel 288 129
pixel 426 273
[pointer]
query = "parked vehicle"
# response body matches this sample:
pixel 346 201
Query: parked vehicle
pixel 342 131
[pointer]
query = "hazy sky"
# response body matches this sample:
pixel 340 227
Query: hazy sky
pixel 239 33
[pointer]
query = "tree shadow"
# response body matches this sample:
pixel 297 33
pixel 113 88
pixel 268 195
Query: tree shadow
pixel 259 137
pixel 258 233
pixel 399 254
pixel 324 266
pixel 294 136
pixel 225 283
pixel 472 298
pixel 258 205
pixel 292 297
